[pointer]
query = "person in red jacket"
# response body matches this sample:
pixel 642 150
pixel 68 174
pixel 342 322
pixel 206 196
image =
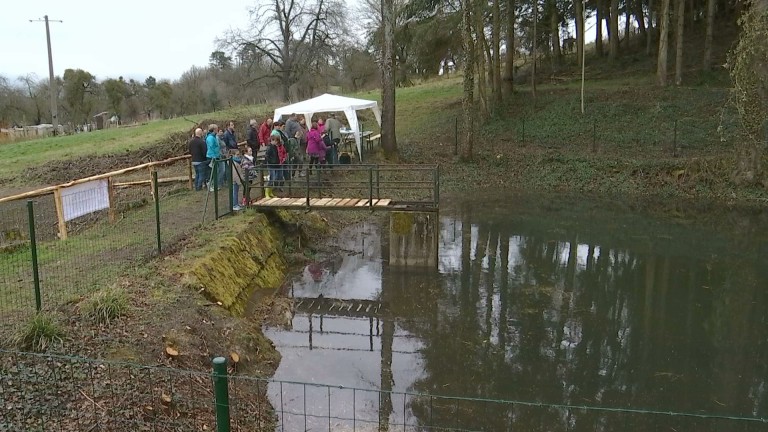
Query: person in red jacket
pixel 264 131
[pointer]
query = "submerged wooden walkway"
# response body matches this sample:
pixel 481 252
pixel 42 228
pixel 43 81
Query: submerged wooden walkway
pixel 338 307
pixel 326 203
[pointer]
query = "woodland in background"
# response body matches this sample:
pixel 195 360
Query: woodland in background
pixel 296 49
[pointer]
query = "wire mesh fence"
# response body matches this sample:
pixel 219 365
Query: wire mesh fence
pixel 52 392
pixel 666 136
pixel 84 243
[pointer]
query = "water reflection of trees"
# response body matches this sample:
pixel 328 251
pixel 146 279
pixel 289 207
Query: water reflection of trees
pixel 530 312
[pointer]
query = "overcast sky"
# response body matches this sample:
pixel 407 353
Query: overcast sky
pixel 136 38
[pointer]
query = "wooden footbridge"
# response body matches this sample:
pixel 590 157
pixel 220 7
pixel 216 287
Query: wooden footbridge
pixel 350 187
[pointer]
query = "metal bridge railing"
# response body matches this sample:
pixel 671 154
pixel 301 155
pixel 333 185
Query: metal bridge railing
pixel 409 185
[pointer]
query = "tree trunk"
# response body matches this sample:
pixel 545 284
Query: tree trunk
pixel 533 50
pixel 707 63
pixel 285 53
pixel 640 18
pixel 650 31
pixel 468 99
pixel 496 42
pixel 480 58
pixel 691 14
pixel 388 138
pixel 627 21
pixel 579 10
pixel 554 28
pixel 661 66
pixel 509 64
pixel 599 28
pixel 679 42
pixel 613 34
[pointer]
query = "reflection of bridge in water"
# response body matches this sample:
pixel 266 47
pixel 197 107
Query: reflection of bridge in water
pixel 341 307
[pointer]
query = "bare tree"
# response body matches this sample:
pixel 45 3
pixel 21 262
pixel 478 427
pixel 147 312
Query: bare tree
pixel 468 100
pixel 707 63
pixel 35 94
pixel 649 33
pixel 291 34
pixel 613 30
pixel 534 51
pixel 579 10
pixel 496 42
pixel 509 41
pixel 661 66
pixel 599 16
pixel 554 34
pixel 482 55
pixel 679 42
pixel 388 138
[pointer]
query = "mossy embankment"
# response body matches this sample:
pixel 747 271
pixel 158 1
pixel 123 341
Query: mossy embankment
pixel 235 264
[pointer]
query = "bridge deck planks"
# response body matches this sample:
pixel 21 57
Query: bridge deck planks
pixel 322 202
pixel 383 204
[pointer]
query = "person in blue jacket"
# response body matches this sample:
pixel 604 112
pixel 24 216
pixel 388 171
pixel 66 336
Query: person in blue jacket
pixel 213 154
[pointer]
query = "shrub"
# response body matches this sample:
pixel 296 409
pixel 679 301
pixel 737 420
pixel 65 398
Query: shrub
pixel 105 305
pixel 38 334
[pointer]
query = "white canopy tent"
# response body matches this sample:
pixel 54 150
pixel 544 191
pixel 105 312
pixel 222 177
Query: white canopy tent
pixel 329 103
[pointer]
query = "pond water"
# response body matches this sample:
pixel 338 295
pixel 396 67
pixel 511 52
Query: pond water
pixel 564 306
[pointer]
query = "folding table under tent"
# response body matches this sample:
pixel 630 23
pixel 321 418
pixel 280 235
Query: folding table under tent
pixel 330 103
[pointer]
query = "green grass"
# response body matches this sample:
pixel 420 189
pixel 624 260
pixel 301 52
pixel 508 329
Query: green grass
pixel 105 305
pixel 38 334
pixel 19 155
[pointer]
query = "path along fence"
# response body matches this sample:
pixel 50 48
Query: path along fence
pixel 62 243
pixel 40 392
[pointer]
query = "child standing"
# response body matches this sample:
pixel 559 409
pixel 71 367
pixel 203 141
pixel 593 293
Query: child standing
pixel 272 159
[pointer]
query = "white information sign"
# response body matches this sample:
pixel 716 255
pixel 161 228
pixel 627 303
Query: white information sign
pixel 84 198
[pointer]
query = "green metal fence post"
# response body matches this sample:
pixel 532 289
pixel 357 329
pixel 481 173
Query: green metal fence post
pixel 456 138
pixel 157 209
pixel 370 185
pixel 437 185
pixel 307 177
pixel 215 178
pixel 221 392
pixel 378 184
pixel 33 247
pixel 231 177
pixel 674 140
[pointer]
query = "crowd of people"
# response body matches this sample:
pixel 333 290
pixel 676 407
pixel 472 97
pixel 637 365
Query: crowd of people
pixel 287 149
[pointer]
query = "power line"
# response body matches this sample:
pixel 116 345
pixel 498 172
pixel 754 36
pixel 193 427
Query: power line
pixel 52 84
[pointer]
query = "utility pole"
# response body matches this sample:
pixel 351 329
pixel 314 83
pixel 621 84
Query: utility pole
pixel 52 84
